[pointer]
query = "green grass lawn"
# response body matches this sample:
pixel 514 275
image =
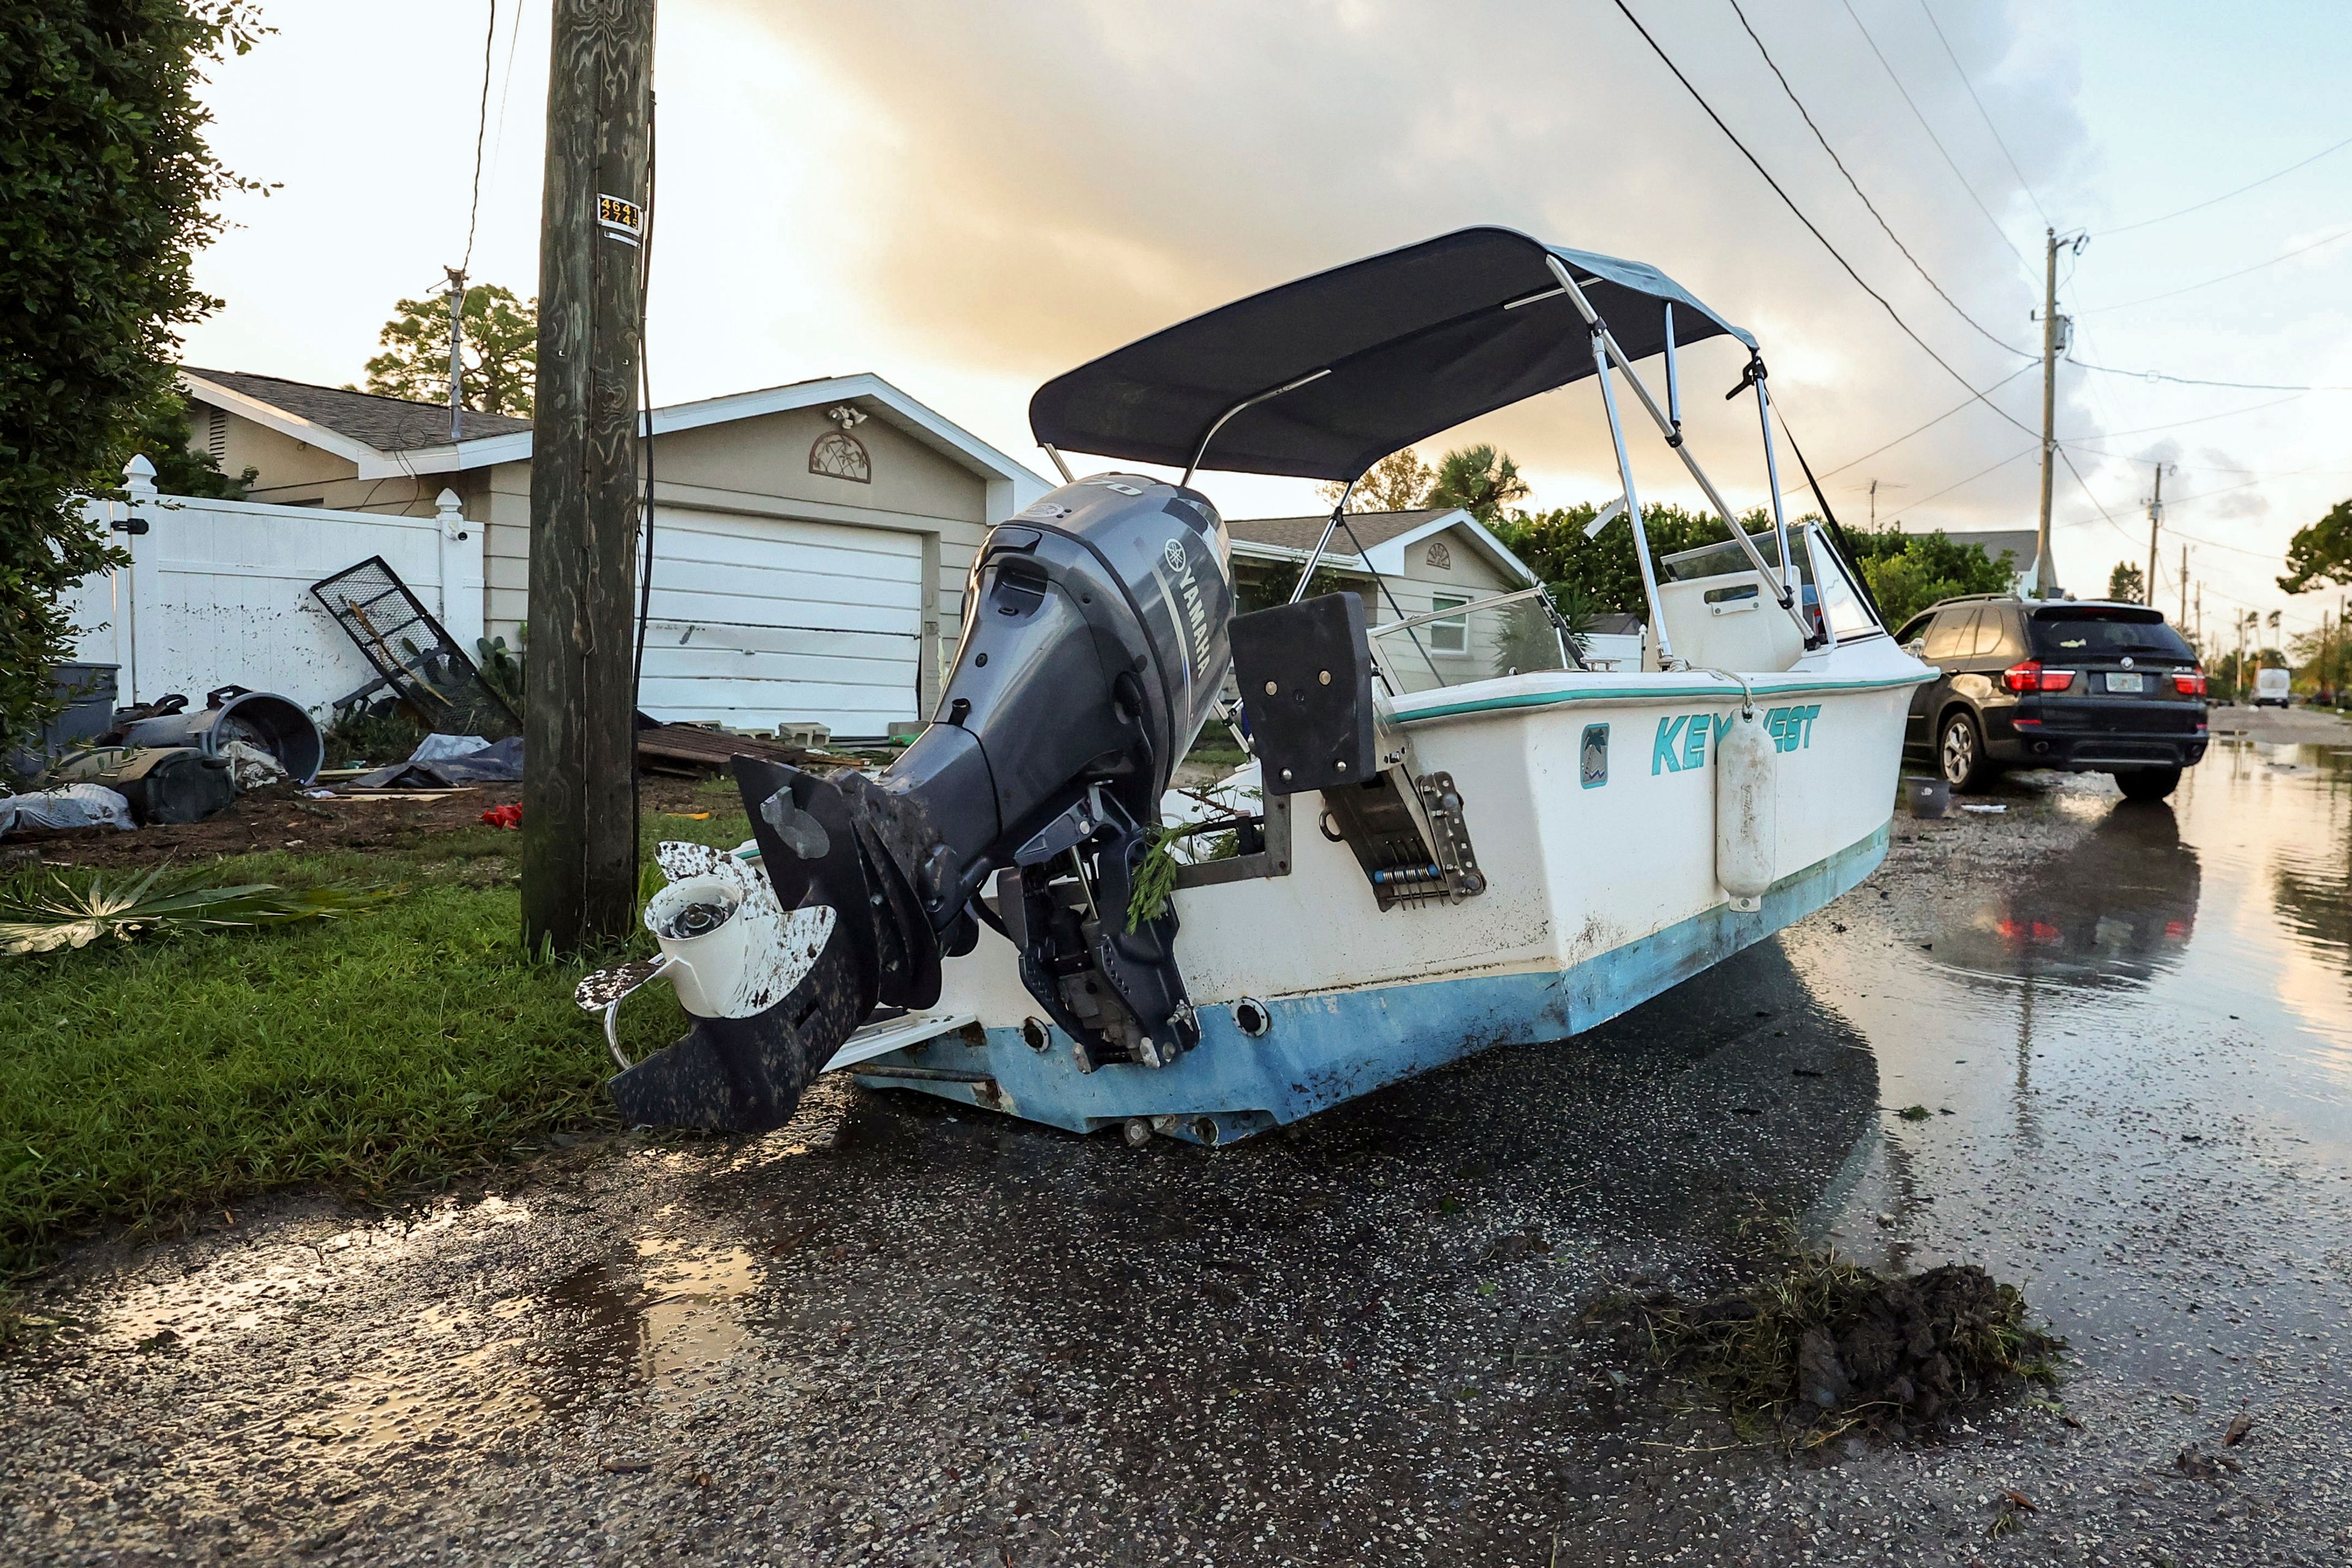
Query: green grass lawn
pixel 397 1046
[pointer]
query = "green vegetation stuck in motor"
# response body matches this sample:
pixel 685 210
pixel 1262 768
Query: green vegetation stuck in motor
pixel 400 1046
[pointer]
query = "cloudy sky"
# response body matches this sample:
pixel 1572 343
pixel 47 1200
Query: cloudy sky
pixel 968 199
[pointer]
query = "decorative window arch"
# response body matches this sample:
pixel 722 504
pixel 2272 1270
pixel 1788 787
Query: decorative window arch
pixel 1437 555
pixel 837 454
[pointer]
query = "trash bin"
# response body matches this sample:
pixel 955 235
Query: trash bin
pixel 274 724
pixel 1926 797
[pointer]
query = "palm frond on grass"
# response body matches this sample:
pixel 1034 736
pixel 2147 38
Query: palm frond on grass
pixel 67 915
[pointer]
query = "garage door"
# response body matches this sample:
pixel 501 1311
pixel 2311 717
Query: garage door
pixel 756 621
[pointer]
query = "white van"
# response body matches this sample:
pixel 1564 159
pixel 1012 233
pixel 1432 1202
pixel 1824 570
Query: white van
pixel 2270 687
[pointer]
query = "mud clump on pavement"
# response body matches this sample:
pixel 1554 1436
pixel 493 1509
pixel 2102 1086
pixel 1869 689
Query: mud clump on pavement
pixel 1827 1347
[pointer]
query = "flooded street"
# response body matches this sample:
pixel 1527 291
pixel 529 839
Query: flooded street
pixel 2104 1049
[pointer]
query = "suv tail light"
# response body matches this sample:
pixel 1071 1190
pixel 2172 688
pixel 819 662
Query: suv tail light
pixel 2189 682
pixel 2030 676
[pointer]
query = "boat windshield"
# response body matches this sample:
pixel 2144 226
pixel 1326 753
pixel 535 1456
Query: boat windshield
pixel 1827 593
pixel 1722 559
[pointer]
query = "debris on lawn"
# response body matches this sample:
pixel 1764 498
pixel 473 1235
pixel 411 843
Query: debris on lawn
pixel 2239 1427
pixel 250 767
pixel 509 816
pixel 1914 1113
pixel 231 715
pixel 440 767
pixel 161 783
pixel 70 915
pixel 67 806
pixel 1827 1346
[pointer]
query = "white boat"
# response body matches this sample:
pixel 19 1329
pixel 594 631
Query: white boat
pixel 1512 859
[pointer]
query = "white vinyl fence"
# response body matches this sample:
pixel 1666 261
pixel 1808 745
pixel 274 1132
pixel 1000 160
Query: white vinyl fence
pixel 218 592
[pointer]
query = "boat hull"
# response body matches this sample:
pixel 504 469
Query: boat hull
pixel 1324 1048
pixel 1601 893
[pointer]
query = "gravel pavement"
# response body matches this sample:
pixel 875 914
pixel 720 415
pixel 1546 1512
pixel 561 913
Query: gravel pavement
pixel 898 1333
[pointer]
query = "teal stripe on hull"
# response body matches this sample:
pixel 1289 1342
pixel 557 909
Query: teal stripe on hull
pixel 1330 1048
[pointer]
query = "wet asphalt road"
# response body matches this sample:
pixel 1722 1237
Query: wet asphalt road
pixel 896 1334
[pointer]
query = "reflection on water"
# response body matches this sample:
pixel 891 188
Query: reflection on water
pixel 661 1315
pixel 2118 909
pixel 2123 1069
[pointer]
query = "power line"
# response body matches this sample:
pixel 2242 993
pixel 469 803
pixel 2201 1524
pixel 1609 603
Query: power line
pixel 2198 380
pixel 2225 195
pixel 2201 419
pixel 1940 292
pixel 1950 161
pixel 2067 458
pixel 1809 227
pixel 481 127
pixel 506 82
pixel 2023 183
pixel 1956 484
pixel 1938 419
pixel 2240 272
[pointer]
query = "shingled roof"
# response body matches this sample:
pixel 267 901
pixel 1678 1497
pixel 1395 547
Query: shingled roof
pixel 386 424
pixel 1372 529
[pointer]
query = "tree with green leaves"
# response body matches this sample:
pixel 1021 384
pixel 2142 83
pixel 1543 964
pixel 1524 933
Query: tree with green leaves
pixel 1602 572
pixel 1909 572
pixel 1395 483
pixel 181 470
pixel 500 354
pixel 1479 480
pixel 107 192
pixel 2321 554
pixel 2127 584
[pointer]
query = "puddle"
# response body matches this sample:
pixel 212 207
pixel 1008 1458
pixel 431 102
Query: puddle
pixel 661 1316
pixel 285 1280
pixel 2135 1058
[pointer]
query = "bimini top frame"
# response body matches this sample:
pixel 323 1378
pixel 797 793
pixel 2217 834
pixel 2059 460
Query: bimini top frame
pixel 1323 377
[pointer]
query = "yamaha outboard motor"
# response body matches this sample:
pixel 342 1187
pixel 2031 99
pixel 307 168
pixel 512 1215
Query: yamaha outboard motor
pixel 1094 644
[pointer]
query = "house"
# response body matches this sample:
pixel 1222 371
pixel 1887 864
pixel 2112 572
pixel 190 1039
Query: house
pixel 1428 559
pixel 2020 544
pixel 811 542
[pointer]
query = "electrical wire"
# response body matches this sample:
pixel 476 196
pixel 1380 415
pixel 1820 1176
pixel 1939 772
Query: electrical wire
pixel 481 128
pixel 1982 331
pixel 1938 419
pixel 2199 381
pixel 1897 514
pixel 1985 114
pixel 506 83
pixel 2179 424
pixel 2225 195
pixel 1789 203
pixel 2224 278
pixel 1950 161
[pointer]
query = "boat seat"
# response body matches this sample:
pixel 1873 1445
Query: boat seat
pixel 1729 622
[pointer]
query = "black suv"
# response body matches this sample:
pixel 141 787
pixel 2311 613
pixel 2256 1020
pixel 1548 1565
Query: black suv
pixel 2086 687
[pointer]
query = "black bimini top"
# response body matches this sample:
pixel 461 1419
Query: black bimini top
pixel 1410 343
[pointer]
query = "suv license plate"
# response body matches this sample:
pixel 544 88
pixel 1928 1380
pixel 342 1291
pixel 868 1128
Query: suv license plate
pixel 2124 682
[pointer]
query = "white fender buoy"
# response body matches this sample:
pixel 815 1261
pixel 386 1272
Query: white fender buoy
pixel 1747 835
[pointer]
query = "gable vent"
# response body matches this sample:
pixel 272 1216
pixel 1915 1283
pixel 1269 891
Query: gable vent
pixel 216 432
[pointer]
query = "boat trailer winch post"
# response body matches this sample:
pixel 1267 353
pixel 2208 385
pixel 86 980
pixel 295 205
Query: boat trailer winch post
pixel 1670 426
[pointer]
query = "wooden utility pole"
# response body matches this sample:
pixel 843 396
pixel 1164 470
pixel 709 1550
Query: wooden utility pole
pixel 579 829
pixel 2184 588
pixel 2155 519
pixel 2046 569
